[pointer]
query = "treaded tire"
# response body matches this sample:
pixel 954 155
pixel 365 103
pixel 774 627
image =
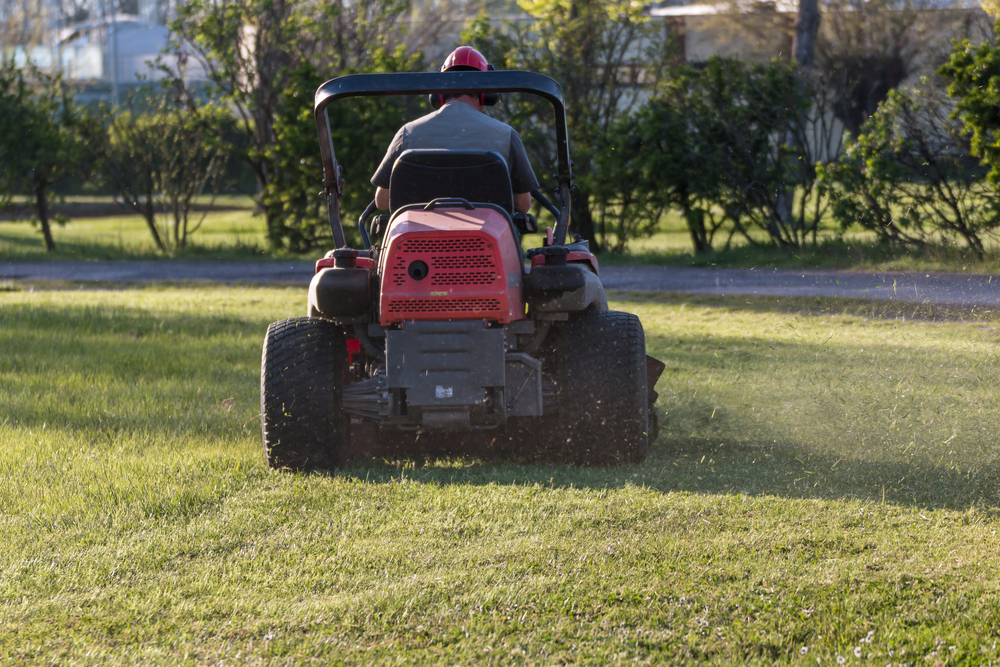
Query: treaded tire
pixel 301 394
pixel 602 388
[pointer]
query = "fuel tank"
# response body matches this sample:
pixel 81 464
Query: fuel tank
pixel 451 264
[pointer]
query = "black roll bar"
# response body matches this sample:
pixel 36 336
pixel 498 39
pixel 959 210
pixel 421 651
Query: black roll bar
pixel 423 83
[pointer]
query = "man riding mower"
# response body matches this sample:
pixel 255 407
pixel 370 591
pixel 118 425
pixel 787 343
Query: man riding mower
pixel 438 332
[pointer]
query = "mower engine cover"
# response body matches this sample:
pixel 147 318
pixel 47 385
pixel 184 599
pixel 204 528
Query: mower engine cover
pixel 451 264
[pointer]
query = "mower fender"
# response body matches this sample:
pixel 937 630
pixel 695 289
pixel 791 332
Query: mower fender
pixel 339 294
pixel 567 288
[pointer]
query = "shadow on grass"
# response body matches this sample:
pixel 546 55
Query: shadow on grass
pixel 785 470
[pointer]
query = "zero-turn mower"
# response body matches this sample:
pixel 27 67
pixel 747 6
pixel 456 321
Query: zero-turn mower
pixel 442 332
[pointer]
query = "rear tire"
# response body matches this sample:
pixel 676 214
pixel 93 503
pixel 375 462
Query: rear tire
pixel 301 394
pixel 602 388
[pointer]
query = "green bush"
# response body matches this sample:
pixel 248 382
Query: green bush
pixel 361 129
pixel 159 159
pixel 264 60
pixel 607 56
pixel 713 142
pixel 973 77
pixel 44 137
pixel 909 175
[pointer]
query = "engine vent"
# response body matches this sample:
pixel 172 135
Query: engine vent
pixel 463 278
pixel 443 305
pixel 443 245
pixel 461 261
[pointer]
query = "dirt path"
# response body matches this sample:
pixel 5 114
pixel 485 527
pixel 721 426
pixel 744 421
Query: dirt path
pixel 961 289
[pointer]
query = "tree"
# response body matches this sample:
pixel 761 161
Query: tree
pixel 607 57
pixel 129 163
pixel 711 142
pixel 864 189
pixel 867 48
pixel 664 146
pixel 43 137
pixel 806 28
pixel 973 77
pixel 911 171
pixel 194 161
pixel 361 129
pixel 160 158
pixel 264 59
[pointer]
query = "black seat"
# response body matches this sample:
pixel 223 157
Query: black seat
pixel 420 176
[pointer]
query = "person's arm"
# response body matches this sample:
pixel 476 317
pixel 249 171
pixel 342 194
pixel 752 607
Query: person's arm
pixel 522 178
pixel 522 201
pixel 384 171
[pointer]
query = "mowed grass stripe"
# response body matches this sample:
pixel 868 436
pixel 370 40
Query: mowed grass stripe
pixel 823 486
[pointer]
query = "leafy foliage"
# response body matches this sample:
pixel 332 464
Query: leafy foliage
pixel 973 76
pixel 607 56
pixel 160 160
pixel 360 128
pixel 260 57
pixel 44 136
pixel 712 142
pixel 910 172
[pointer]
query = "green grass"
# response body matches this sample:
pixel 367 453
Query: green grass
pixel 824 485
pixel 240 235
pixel 856 249
pixel 234 234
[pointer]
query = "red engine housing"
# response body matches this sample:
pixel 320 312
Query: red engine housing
pixel 474 270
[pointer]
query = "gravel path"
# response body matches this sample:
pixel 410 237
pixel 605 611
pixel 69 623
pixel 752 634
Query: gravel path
pixel 961 289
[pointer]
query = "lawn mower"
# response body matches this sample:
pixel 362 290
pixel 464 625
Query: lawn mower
pixel 442 333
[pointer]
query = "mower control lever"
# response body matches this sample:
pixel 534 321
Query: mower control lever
pixel 362 221
pixel 449 202
pixel 546 204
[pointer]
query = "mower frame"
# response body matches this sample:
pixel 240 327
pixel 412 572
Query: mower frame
pixel 425 83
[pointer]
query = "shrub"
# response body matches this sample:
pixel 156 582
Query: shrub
pixel 910 173
pixel 713 141
pixel 159 160
pixel 44 136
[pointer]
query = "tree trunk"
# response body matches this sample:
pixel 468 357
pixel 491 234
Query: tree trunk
pixel 43 217
pixel 806 28
pixel 583 220
pixel 696 225
pixel 150 215
pixel 804 50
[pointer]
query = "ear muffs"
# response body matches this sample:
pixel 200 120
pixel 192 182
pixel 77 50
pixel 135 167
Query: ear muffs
pixel 486 99
pixel 489 99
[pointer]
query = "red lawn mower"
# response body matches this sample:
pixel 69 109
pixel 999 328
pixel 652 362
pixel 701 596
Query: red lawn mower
pixel 437 336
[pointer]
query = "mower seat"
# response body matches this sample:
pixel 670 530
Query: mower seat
pixel 479 177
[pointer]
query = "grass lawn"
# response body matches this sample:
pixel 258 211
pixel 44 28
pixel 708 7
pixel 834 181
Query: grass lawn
pixel 824 491
pixel 237 234
pixel 856 249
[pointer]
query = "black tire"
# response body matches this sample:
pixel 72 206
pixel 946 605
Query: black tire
pixel 603 406
pixel 301 394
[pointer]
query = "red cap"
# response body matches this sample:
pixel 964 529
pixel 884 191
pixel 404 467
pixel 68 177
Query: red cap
pixel 465 56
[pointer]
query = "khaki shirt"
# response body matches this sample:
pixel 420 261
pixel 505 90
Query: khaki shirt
pixel 458 126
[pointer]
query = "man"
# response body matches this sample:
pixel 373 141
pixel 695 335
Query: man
pixel 460 124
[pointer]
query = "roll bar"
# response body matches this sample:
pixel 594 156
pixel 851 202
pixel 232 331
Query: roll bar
pixel 423 83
